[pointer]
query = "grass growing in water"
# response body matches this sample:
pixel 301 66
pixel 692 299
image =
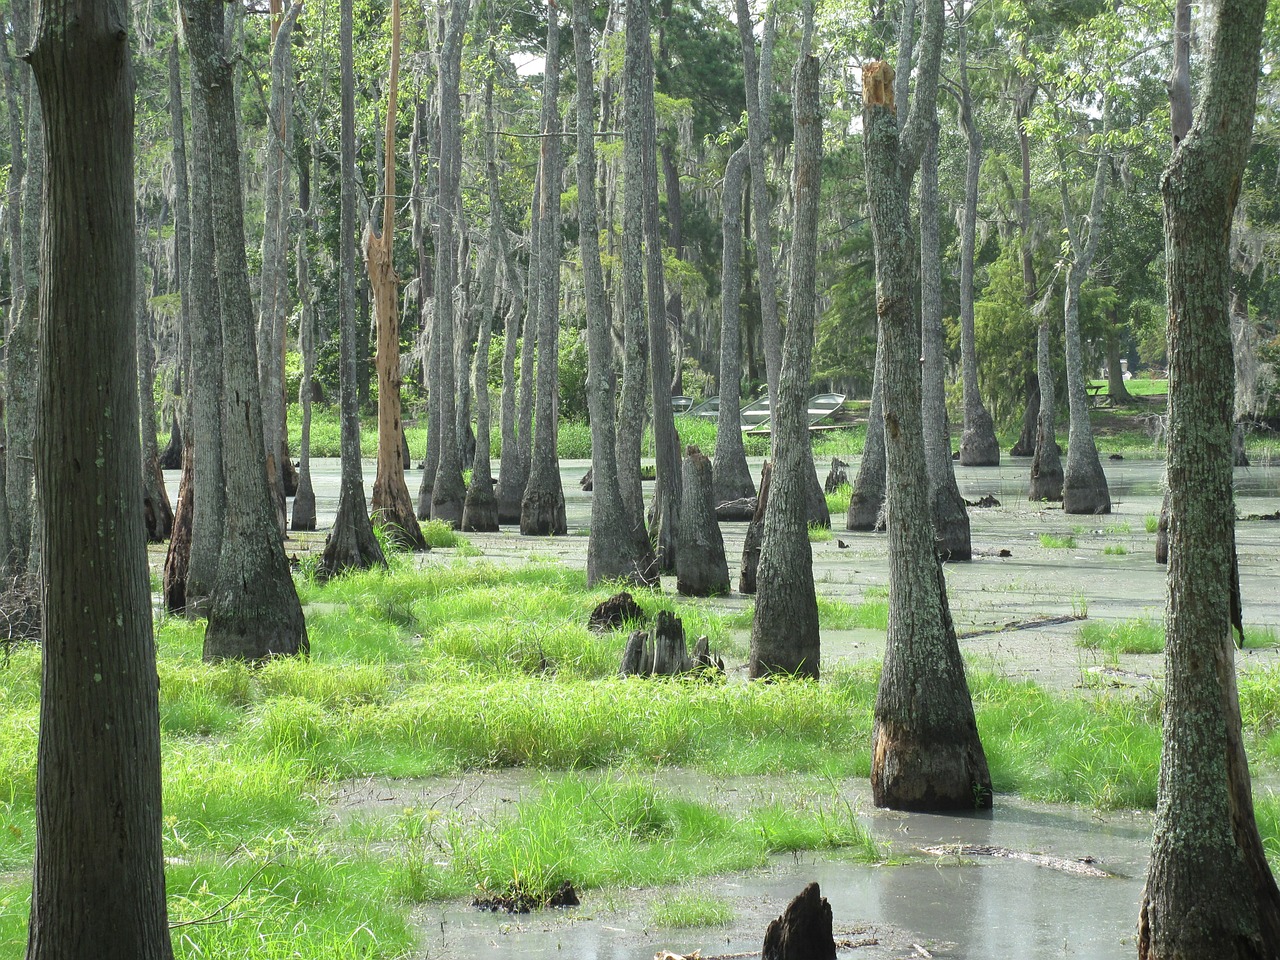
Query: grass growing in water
pixel 1151 523
pixel 819 534
pixel 688 909
pixel 1053 542
pixel 1148 636
pixel 838 500
pixel 1115 550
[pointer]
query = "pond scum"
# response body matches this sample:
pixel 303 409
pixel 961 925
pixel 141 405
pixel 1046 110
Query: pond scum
pixel 459 666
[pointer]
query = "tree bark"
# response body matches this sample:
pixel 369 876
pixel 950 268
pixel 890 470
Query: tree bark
pixel 510 477
pixel 784 631
pixel 1046 464
pixel 701 567
pixel 542 507
pixel 98 889
pixel 803 932
pixel 254 611
pixel 157 512
pixel 866 504
pixel 950 518
pixel 755 532
pixel 1209 890
pixel 304 500
pixel 391 504
pixel 351 543
pixel 978 444
pixel 617 549
pixel 926 753
pixel 448 493
pixel 732 476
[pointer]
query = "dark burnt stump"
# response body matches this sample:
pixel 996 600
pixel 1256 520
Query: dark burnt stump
pixel 701 568
pixel 616 612
pixel 837 476
pixel 755 533
pixel 663 652
pixel 803 932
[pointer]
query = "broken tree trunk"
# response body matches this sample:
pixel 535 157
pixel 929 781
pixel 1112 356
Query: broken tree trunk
pixel 701 568
pixel 803 932
pixel 663 652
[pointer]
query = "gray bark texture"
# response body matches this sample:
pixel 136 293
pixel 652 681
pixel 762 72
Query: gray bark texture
pixel 926 753
pixel 757 133
pixel 784 631
pixel 635 349
pixel 157 512
pixel 351 544
pixel 98 888
pixel 542 507
pixel 701 567
pixel 617 549
pixel 803 932
pixel 1209 890
pixel 866 503
pixel 755 532
pixel 511 476
pixel 950 517
pixel 1084 485
pixel 978 444
pixel 254 611
pixel 304 500
pixel 732 476
pixel 1046 464
pixel 209 503
pixel 448 494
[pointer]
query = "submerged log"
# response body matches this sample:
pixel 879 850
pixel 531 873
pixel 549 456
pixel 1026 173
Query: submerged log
pixel 701 568
pixel 803 932
pixel 755 534
pixel 663 652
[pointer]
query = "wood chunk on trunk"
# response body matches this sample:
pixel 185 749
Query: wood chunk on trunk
pixel 617 611
pixel 701 568
pixel 803 932
pixel 755 533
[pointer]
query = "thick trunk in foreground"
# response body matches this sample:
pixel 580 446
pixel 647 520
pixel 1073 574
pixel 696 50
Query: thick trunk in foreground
pixel 926 754
pixel 254 611
pixel 98 888
pixel 784 630
pixel 1209 892
pixel 351 543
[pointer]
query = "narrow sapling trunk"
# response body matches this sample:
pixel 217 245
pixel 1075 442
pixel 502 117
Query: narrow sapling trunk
pixel 732 476
pixel 1209 892
pixel 784 631
pixel 98 887
pixel 926 754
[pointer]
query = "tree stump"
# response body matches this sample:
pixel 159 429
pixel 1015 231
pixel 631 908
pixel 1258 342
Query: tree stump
pixel 662 651
pixel 701 568
pixel 837 476
pixel 755 533
pixel 803 932
pixel 617 611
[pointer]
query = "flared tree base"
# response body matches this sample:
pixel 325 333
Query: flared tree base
pixel 928 774
pixel 978 444
pixel 351 544
pixel 542 512
pixel 480 511
pixel 1084 488
pixel 951 526
pixel 393 511
pixel 866 512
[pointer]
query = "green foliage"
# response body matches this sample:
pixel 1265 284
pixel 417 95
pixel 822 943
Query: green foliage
pixel 1123 636
pixel 1055 542
pixel 690 909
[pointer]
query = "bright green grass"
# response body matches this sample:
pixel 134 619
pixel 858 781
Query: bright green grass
pixel 689 910
pixel 838 500
pixel 1151 523
pixel 1115 550
pixel 819 534
pixel 440 534
pixel 1138 387
pixel 871 612
pixel 1122 636
pixel 1053 542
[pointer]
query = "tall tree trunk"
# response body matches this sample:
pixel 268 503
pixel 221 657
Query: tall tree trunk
pixel 1025 445
pixel 351 543
pixel 304 500
pixel 784 631
pixel 156 510
pixel 510 477
pixel 448 492
pixel 866 504
pixel 757 132
pixel 17 274
pixel 254 611
pixel 926 753
pixel 635 351
pixel 1046 464
pixel 542 507
pixel 391 504
pixel 1117 391
pixel 179 555
pixel 731 475
pixel 617 550
pixel 98 888
pixel 950 518
pixel 209 501
pixel 664 512
pixel 1084 485
pixel 1209 890
pixel 273 306
pixel 978 444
